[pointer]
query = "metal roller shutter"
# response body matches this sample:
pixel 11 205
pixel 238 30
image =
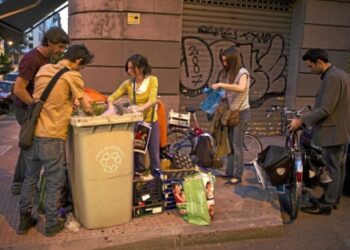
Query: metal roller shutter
pixel 262 30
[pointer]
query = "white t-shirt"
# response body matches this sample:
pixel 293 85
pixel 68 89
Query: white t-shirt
pixel 236 99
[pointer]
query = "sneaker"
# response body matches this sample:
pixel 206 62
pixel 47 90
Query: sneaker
pixel 325 177
pixel 16 188
pixel 52 231
pixel 317 210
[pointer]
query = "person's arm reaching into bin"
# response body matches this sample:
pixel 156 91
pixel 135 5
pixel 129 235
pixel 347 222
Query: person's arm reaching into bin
pixel 113 97
pixel 86 106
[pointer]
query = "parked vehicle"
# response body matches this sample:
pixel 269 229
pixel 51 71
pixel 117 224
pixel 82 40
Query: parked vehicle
pixel 10 77
pixel 6 90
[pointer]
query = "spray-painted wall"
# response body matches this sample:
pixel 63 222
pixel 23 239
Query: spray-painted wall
pixel 261 30
pixel 183 40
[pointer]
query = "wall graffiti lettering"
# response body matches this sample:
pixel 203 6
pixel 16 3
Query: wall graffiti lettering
pixel 263 55
pixel 260 37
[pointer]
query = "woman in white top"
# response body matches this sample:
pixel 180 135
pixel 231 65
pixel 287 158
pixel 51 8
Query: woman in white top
pixel 237 94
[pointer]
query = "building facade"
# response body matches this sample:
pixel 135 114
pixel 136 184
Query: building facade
pixel 183 40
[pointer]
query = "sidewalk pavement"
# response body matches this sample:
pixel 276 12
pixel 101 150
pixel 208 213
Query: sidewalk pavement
pixel 241 212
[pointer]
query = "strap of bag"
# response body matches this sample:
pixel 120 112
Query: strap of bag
pixel 134 98
pixel 134 91
pixel 52 83
pixel 240 104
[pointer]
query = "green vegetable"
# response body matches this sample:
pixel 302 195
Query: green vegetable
pixel 99 108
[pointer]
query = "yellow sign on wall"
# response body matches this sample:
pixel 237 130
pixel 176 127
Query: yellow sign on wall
pixel 134 18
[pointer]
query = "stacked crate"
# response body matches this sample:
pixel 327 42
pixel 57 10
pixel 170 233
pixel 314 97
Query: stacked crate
pixel 147 197
pixel 168 177
pixel 168 194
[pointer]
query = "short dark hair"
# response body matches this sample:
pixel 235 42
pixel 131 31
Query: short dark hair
pixel 313 54
pixel 79 51
pixel 141 62
pixel 55 35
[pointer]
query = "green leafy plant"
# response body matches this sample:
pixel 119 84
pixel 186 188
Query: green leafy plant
pixel 5 64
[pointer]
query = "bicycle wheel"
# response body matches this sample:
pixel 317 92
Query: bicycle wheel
pixel 294 196
pixel 180 140
pixel 252 147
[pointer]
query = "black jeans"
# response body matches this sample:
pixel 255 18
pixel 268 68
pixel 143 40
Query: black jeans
pixel 18 176
pixel 335 157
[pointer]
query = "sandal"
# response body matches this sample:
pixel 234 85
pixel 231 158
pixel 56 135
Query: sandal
pixel 233 181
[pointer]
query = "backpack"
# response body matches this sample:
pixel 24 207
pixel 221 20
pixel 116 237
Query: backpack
pixel 204 151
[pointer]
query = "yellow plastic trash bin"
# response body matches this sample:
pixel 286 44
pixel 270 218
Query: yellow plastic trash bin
pixel 100 168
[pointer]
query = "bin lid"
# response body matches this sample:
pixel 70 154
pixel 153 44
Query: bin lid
pixel 86 121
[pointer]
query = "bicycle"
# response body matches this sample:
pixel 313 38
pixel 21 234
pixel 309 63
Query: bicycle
pixel 291 191
pixel 185 138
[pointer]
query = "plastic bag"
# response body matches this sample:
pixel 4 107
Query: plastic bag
pixel 208 182
pixel 71 223
pixel 212 100
pixel 196 201
pixel 142 136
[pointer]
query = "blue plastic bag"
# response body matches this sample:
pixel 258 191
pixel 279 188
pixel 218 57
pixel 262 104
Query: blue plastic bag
pixel 212 100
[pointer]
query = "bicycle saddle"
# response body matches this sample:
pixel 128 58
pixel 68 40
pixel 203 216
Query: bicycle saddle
pixel 192 109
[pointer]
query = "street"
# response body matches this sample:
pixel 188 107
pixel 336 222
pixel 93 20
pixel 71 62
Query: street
pixel 307 232
pixel 247 218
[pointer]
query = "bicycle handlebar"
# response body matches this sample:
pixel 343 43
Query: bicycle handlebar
pixel 285 111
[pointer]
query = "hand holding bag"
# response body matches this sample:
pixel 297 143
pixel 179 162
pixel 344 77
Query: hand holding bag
pixel 142 130
pixel 26 134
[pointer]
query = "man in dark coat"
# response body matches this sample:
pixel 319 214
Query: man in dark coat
pixel 330 121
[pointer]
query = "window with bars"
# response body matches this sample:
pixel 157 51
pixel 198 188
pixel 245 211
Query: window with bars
pixel 275 5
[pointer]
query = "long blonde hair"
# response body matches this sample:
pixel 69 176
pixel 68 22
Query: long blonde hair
pixel 234 62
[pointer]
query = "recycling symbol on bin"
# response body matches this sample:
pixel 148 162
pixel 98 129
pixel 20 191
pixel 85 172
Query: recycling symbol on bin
pixel 110 161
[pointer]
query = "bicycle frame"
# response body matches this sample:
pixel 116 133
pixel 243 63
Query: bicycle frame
pixel 189 138
pixel 191 134
pixel 294 186
pixel 197 129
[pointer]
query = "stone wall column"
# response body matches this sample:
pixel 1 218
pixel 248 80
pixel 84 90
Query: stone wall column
pixel 114 30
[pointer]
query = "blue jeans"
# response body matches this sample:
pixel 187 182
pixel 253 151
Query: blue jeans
pixel 47 152
pixel 153 149
pixel 235 160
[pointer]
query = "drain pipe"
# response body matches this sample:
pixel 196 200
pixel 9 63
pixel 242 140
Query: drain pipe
pixel 33 5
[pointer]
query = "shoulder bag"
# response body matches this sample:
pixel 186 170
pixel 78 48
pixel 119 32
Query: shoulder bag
pixel 26 134
pixel 233 119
